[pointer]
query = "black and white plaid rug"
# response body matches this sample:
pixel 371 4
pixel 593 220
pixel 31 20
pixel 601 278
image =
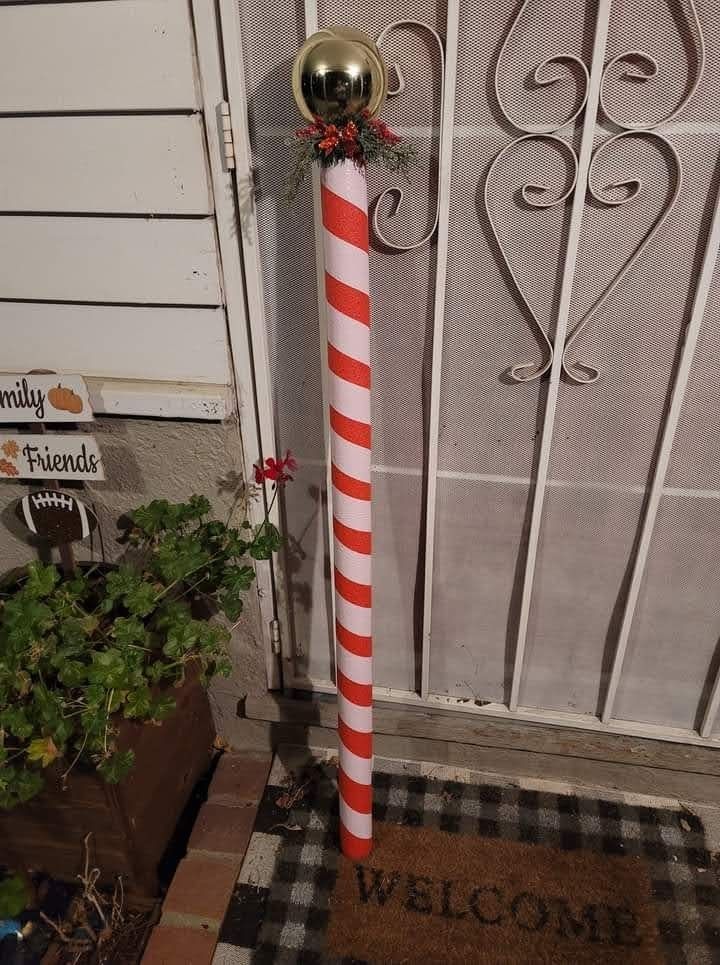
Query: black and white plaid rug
pixel 279 910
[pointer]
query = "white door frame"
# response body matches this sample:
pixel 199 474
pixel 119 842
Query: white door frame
pixel 242 287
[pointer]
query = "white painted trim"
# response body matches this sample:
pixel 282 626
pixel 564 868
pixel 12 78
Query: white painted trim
pixel 441 260
pixel 674 491
pixel 211 83
pixel 311 27
pixel 702 292
pixel 162 400
pixel 476 131
pixel 561 328
pixel 529 715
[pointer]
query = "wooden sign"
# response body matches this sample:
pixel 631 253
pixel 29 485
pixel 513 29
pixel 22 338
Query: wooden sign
pixel 44 398
pixel 55 516
pixel 51 456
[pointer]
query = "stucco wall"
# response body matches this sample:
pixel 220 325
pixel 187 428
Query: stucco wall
pixel 154 459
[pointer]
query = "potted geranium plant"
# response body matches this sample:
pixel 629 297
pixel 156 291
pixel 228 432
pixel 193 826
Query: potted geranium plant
pixel 92 663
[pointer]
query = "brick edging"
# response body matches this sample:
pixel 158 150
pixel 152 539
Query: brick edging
pixel 194 907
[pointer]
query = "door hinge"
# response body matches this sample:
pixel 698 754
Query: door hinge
pixel 275 638
pixel 226 136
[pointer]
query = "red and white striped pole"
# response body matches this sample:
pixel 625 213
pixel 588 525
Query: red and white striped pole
pixel 345 242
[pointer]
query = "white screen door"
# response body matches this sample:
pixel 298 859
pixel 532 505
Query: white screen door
pixel 546 444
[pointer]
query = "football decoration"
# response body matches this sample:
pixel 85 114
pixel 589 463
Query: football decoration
pixel 55 516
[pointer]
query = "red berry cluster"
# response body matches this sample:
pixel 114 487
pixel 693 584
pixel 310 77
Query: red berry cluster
pixel 356 137
pixel 381 129
pixel 328 136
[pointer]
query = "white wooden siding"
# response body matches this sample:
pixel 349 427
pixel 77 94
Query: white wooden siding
pixel 160 261
pixel 116 342
pixel 108 254
pixel 126 165
pixel 123 55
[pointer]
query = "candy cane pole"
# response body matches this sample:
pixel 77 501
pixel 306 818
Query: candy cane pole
pixel 345 243
pixel 339 76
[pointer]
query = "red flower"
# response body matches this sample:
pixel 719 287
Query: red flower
pixel 276 470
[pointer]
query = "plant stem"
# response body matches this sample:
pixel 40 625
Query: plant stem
pixel 64 776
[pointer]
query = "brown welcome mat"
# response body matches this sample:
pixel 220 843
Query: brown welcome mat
pixel 473 873
pixel 429 896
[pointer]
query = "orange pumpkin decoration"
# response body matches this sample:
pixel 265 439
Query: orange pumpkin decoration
pixel 65 400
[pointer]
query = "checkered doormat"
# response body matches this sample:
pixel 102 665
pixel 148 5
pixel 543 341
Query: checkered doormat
pixel 279 910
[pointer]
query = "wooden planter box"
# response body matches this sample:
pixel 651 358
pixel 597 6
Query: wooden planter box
pixel 131 822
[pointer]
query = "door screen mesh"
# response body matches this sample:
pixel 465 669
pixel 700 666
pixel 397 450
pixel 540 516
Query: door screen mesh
pixel 606 433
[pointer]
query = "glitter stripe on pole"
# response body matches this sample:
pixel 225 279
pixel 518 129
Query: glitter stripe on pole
pixel 345 242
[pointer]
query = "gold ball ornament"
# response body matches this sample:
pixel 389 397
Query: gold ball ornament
pixel 337 72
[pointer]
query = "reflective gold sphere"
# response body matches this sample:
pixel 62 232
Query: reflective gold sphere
pixel 337 72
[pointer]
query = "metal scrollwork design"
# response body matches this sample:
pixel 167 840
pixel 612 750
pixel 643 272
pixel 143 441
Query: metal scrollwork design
pixel 536 196
pixel 640 67
pixel 547 73
pixel 395 194
pixel 581 372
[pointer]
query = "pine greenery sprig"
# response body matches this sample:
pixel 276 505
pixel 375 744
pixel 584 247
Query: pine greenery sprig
pixel 352 137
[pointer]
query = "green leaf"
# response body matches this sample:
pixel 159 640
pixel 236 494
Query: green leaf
pixel 194 509
pixel 48 707
pixel 172 612
pixel 156 672
pixel 128 586
pixel 151 519
pixel 267 540
pixel 121 581
pixel 177 557
pixel 238 578
pixel 24 619
pixel 138 703
pixel 115 768
pixel 141 599
pixel 235 545
pixel 230 604
pixel 109 669
pixel 41 579
pixel 73 633
pixel 15 721
pixel 181 638
pixel 72 673
pixel 13 897
pixel 18 785
pixel 127 631
pixel 163 707
pixel 212 637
